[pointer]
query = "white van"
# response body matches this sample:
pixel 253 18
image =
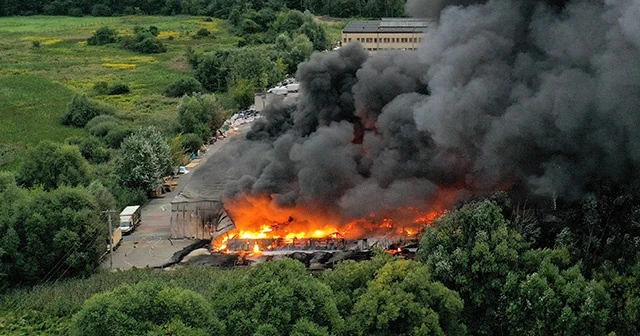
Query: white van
pixel 292 87
pixel 278 90
pixel 130 218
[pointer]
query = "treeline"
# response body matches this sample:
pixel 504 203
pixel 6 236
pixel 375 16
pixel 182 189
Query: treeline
pixel 215 8
pixel 487 268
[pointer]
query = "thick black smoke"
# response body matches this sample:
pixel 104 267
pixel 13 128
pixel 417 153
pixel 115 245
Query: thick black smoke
pixel 536 95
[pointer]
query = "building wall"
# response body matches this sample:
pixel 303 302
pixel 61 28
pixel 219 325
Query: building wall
pixel 385 41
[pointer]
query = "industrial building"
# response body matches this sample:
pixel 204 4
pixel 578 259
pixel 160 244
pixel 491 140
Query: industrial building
pixel 387 34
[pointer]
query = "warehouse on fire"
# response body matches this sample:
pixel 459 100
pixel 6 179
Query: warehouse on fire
pixel 387 34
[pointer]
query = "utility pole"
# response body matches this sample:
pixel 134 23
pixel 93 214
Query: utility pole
pixel 110 239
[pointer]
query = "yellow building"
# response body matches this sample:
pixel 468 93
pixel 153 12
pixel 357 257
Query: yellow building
pixel 387 34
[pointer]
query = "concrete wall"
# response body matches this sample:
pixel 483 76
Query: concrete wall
pixel 199 219
pixel 385 41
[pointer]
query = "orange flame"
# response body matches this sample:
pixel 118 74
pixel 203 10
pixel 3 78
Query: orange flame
pixel 257 217
pixel 256 249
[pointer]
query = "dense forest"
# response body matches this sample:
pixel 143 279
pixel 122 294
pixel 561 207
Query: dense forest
pixel 215 8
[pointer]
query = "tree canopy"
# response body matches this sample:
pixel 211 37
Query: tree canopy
pixel 51 165
pixel 144 158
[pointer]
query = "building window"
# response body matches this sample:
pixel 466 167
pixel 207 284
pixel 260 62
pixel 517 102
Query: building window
pixel 386 40
pixel 357 38
pixel 345 40
pixel 349 39
pixel 375 40
pixel 393 40
pixel 368 40
pixel 404 40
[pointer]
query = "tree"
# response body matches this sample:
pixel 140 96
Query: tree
pixel 301 49
pixel 551 301
pixel 403 300
pixel 348 280
pixel 144 158
pixel 254 65
pixel 146 308
pixel 200 114
pixel 51 165
pixel 59 234
pixel 243 93
pixel 212 72
pixel 603 229
pixel 101 10
pixel 472 250
pixel 102 36
pixel 91 148
pixel 191 142
pixel 276 296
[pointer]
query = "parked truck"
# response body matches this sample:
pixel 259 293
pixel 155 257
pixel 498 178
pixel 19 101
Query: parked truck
pixel 116 235
pixel 130 218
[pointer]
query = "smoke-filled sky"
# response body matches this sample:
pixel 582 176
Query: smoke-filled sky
pixel 502 94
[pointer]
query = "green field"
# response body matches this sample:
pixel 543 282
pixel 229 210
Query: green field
pixel 36 83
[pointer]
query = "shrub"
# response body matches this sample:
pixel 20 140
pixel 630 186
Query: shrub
pixel 184 86
pixel 81 109
pixel 116 135
pixel 192 142
pixel 93 150
pixel 144 41
pixel 100 119
pixel 102 36
pixel 117 89
pixel 202 33
pixel 146 45
pixel 126 196
pixel 101 88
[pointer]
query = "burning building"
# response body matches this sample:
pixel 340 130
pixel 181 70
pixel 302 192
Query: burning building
pixel 539 98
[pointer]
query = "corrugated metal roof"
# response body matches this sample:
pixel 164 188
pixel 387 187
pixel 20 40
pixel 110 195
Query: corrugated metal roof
pixel 388 26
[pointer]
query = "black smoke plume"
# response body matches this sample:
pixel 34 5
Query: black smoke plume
pixel 538 96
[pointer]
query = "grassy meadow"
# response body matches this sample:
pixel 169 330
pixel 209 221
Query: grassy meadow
pixel 38 79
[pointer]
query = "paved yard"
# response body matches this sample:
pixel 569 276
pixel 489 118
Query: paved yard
pixel 149 245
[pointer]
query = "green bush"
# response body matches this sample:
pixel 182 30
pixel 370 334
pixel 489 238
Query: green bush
pixel 118 89
pixel 93 150
pixel 127 196
pixel 184 86
pixel 102 36
pixel 116 135
pixel 101 88
pixel 144 41
pixel 103 128
pixel 81 109
pixel 149 45
pixel 100 119
pixel 202 33
pixel 192 142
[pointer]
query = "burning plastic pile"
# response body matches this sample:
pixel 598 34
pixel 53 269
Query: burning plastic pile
pixel 540 98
